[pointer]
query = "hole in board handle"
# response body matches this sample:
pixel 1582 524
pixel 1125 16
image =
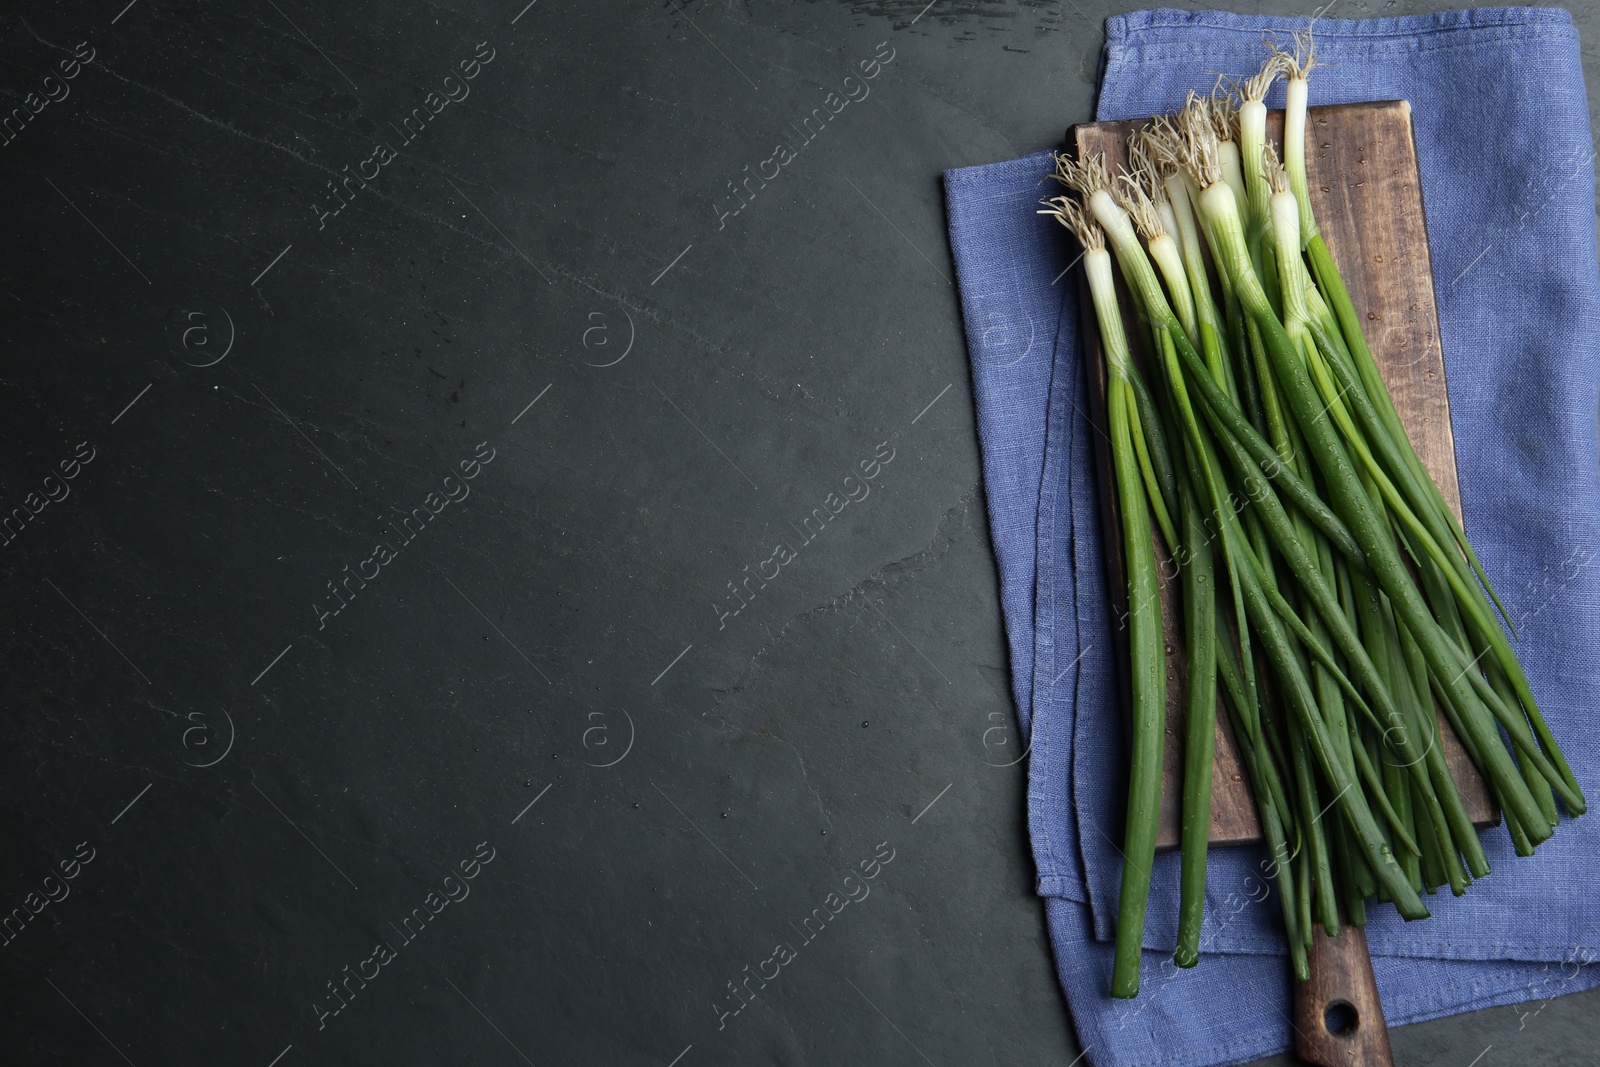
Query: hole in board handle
pixel 1341 1018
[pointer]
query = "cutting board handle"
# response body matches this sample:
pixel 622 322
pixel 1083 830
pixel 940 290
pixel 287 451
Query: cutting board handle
pixel 1338 1016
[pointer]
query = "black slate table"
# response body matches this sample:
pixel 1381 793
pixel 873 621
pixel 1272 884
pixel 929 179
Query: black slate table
pixel 494 545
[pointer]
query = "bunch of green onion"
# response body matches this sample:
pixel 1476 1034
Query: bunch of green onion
pixel 1317 560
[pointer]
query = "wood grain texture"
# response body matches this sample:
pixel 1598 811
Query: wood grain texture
pixel 1366 192
pixel 1341 991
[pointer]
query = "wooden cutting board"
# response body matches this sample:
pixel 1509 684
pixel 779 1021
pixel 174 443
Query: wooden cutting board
pixel 1366 192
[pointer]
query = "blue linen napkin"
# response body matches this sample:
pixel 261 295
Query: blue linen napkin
pixel 1502 129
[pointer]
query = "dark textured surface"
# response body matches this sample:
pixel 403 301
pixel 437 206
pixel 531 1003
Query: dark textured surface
pixel 687 423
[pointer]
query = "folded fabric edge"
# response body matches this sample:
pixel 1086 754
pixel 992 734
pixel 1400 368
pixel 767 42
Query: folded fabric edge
pixel 985 173
pixel 1445 1003
pixel 958 206
pixel 968 196
pixel 1151 24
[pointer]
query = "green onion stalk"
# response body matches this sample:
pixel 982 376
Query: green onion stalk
pixel 1146 642
pixel 1258 193
pixel 1144 198
pixel 1122 227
